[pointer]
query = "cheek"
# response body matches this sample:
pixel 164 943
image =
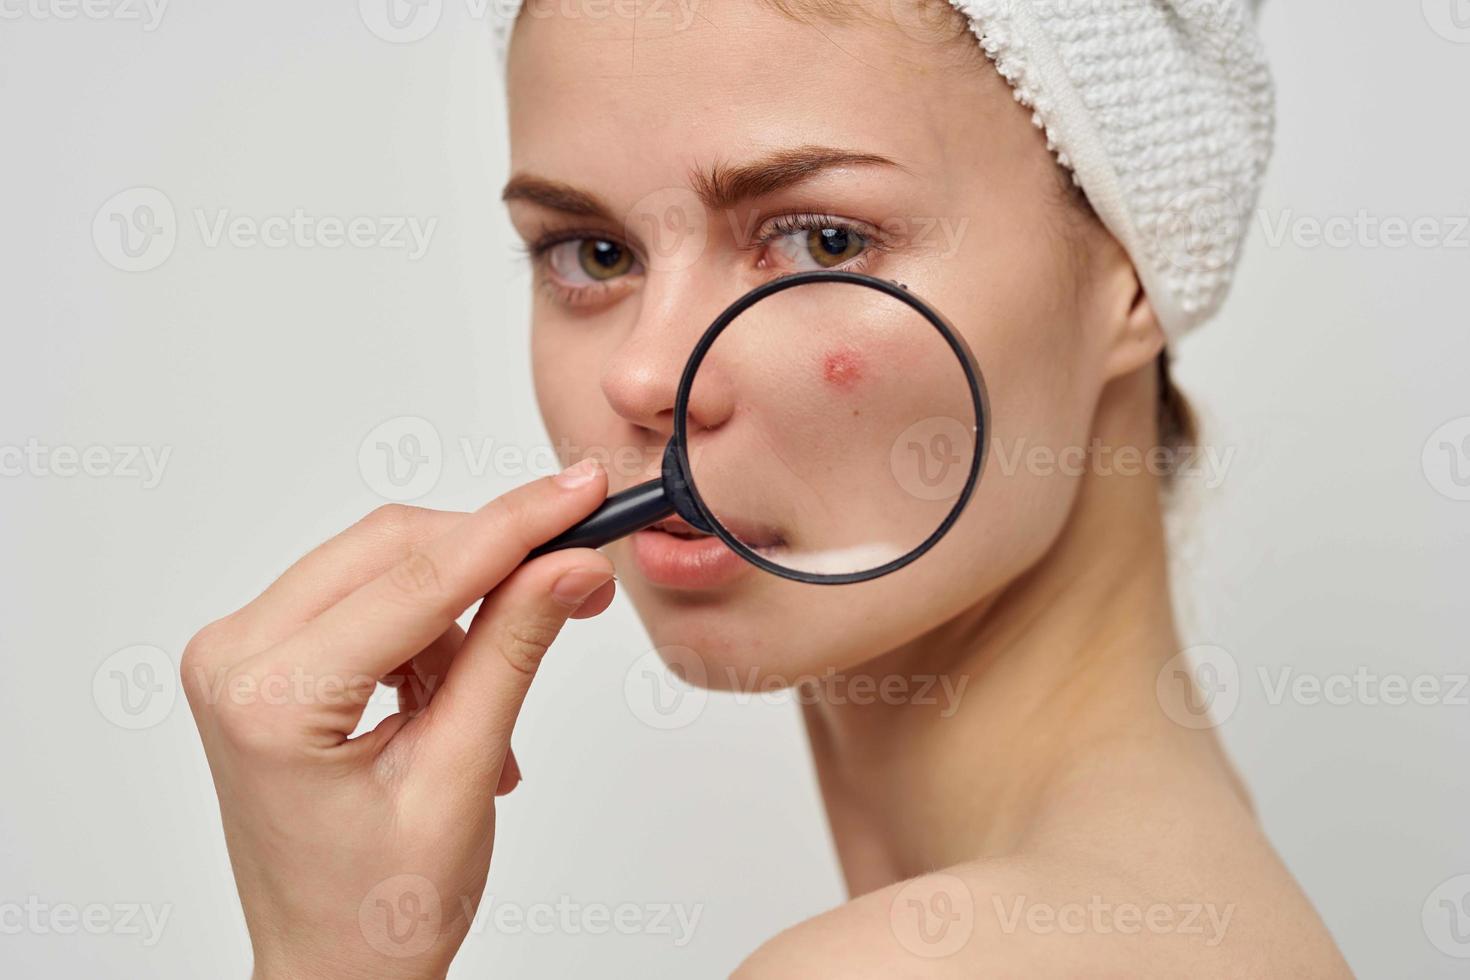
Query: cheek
pixel 565 369
pixel 843 369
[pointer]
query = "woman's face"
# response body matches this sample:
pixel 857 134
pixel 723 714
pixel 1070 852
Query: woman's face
pixel 662 168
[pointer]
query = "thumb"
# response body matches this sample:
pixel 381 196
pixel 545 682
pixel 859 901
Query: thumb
pixel 469 722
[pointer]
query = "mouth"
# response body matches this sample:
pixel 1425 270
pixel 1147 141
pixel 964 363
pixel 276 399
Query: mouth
pixel 755 537
pixel 673 554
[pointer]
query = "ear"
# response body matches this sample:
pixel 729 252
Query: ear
pixel 1135 338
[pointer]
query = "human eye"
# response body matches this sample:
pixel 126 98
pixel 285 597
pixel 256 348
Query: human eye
pixel 809 242
pixel 583 268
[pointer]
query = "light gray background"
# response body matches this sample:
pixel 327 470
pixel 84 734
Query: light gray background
pixel 1335 543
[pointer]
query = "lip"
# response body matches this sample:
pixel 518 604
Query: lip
pixel 673 562
pixel 673 555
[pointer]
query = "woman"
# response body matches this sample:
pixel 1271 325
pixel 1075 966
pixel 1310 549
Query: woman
pixel 1053 817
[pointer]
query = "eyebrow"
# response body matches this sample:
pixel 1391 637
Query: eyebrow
pixel 719 187
pixel 555 195
pixel 723 186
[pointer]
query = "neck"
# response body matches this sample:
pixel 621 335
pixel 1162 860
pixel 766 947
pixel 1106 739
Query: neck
pixel 1035 681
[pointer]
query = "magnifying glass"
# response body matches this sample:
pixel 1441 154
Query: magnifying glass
pixel 829 428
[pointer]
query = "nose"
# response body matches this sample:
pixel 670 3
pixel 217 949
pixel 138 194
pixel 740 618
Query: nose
pixel 641 378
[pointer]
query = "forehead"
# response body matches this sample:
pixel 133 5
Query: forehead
pixel 702 80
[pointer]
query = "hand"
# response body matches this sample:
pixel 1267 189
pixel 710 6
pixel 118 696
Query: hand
pixel 365 857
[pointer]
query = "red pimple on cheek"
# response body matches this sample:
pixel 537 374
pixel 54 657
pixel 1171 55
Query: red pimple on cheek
pixel 843 368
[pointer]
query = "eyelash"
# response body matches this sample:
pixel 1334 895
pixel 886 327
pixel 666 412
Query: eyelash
pixel 791 224
pixel 538 251
pixel 776 229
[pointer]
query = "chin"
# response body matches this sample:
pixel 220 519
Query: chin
pixel 763 634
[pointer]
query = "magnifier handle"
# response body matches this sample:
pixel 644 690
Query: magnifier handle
pixel 619 516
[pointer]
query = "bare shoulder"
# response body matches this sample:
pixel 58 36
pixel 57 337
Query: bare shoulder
pixel 1048 918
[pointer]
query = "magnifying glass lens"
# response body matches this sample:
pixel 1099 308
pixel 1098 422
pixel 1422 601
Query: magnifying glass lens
pixel 831 429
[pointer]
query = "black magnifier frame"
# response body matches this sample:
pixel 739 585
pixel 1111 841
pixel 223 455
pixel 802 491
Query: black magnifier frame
pixel 675 493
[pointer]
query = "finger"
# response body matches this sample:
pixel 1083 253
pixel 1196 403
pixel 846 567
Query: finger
pixel 468 726
pixel 510 774
pixel 373 629
pixel 598 602
pixel 334 569
pixel 419 678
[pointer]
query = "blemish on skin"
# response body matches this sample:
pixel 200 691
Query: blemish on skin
pixel 843 368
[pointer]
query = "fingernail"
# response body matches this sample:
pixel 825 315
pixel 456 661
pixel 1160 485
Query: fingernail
pixel 574 588
pixel 579 475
